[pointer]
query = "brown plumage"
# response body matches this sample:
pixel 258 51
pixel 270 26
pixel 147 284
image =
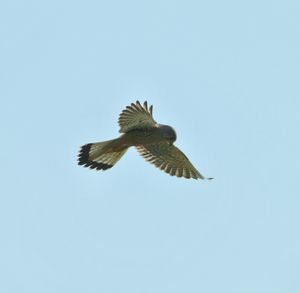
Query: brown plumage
pixel 153 141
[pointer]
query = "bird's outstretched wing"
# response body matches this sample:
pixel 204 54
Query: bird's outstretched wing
pixel 136 116
pixel 169 159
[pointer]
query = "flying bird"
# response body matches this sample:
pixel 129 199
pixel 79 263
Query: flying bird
pixel 155 142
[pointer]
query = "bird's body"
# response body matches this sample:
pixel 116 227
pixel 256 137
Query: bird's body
pixel 138 137
pixel 154 142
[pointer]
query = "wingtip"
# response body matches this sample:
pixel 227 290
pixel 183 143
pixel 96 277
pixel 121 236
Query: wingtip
pixel 151 109
pixel 146 105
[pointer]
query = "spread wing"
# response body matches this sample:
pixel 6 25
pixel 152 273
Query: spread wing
pixel 169 159
pixel 136 116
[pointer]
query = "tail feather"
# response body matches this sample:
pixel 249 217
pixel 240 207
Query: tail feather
pixel 101 155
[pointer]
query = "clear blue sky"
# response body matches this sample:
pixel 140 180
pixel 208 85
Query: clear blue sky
pixel 224 74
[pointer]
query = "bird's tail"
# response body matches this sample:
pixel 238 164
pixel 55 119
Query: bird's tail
pixel 101 155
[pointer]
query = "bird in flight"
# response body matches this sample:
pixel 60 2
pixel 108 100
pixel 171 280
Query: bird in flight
pixel 154 142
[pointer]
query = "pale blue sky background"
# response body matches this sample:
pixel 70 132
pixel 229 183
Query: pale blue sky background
pixel 224 74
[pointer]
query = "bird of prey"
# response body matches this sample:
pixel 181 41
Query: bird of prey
pixel 153 141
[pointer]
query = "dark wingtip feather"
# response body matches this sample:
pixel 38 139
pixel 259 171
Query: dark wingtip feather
pixel 151 109
pixel 146 105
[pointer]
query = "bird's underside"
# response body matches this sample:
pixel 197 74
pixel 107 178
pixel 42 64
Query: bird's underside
pixel 153 141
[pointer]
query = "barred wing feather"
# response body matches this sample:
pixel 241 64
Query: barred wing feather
pixel 169 159
pixel 136 116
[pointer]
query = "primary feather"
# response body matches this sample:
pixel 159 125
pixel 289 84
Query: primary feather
pixel 135 117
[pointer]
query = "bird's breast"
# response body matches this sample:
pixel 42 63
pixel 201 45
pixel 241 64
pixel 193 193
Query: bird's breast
pixel 141 137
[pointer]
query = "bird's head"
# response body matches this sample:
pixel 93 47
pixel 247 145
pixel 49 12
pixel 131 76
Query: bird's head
pixel 168 133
